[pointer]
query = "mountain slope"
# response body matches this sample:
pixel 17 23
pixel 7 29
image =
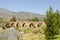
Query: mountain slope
pixel 4 13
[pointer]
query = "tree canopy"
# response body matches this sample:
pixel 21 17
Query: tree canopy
pixel 52 21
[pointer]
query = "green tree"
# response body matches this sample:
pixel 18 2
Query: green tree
pixel 13 19
pixel 52 22
pixel 35 19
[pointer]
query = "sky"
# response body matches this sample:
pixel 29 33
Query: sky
pixel 35 6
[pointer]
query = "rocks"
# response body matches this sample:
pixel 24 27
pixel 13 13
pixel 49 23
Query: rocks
pixel 11 33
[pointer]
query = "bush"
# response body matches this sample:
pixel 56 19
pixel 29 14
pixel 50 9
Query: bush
pixel 35 19
pixel 7 25
pixel 13 19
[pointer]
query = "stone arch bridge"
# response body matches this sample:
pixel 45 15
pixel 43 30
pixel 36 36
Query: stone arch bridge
pixel 26 24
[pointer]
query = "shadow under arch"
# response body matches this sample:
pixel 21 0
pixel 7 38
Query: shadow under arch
pixel 39 24
pixel 23 25
pixel 17 25
pixel 31 25
pixel 12 24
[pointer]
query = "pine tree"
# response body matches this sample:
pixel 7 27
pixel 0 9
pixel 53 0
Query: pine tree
pixel 52 21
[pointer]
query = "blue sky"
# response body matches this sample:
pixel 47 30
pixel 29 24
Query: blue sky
pixel 36 6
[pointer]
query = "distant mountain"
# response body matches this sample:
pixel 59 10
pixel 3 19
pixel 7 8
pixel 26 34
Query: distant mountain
pixel 5 13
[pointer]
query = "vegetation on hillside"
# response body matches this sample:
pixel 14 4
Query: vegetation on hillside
pixel 34 19
pixel 13 19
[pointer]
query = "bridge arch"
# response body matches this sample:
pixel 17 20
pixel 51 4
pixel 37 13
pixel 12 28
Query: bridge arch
pixel 23 25
pixel 7 25
pixel 12 24
pixel 31 25
pixel 3 27
pixel 17 25
pixel 39 24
